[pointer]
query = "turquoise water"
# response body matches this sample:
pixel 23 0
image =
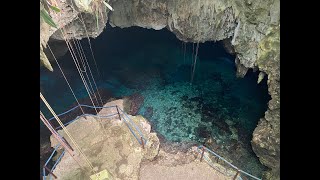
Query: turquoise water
pixel 216 106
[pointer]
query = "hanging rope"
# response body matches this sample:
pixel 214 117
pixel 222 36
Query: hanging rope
pixel 92 56
pixel 83 65
pixel 59 139
pixel 195 57
pixel 184 52
pixel 86 86
pixel 81 19
pixel 83 80
pixel 74 57
pixel 67 133
pixel 94 59
pixel 195 62
pixel 65 78
pixel 55 134
pixel 192 60
pixel 80 55
pixel 94 81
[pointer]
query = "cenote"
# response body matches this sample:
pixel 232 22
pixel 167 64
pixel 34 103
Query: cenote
pixel 217 109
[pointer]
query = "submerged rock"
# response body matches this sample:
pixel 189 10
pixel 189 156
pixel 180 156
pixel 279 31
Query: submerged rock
pixel 133 103
pixel 148 113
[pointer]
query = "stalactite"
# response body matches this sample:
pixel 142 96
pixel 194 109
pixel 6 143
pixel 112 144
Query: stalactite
pixel 261 76
pixel 195 57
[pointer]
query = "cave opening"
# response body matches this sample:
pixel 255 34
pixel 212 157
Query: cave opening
pixel 217 109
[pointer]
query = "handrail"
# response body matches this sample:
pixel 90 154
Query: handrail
pixel 83 115
pixel 141 141
pixel 81 105
pixel 137 128
pixel 50 157
pixel 233 166
pixel 100 116
pixel 125 118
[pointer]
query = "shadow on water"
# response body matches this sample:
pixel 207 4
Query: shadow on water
pixel 218 109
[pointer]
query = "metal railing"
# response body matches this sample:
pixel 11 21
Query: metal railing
pixel 50 171
pixel 136 132
pixel 134 129
pixel 141 139
pixel 201 149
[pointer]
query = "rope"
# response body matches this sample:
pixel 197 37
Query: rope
pixel 80 46
pixel 84 65
pixel 51 129
pixel 195 58
pixel 124 116
pixel 83 80
pixel 67 133
pixel 54 57
pixel 184 52
pixel 77 66
pixel 94 59
pixel 57 118
pixel 195 62
pixel 81 19
pixel 192 59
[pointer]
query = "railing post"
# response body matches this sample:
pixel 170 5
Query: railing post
pixel 235 177
pixel 202 154
pixel 142 142
pixel 67 143
pixel 52 125
pixel 50 172
pixel 118 112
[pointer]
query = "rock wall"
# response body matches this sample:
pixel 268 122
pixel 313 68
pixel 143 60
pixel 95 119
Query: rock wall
pixel 74 22
pixel 251 27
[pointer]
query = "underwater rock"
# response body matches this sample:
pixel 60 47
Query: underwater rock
pixel 148 113
pixel 184 98
pixel 197 99
pixel 135 101
pixel 209 113
pixel 211 143
pixel 222 125
pixel 202 131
